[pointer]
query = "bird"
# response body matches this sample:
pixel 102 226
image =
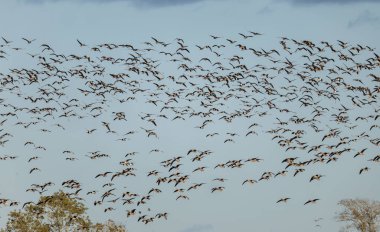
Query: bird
pixel 298 171
pixel 29 41
pixel 312 201
pixel 89 131
pixel 360 153
pixel 34 169
pixel 81 44
pixel 315 177
pixel 220 189
pixel 245 36
pixel 27 203
pixel 6 41
pixel 182 197
pixel 362 170
pixel 285 199
pixel 109 209
pixel 33 158
pixel 250 181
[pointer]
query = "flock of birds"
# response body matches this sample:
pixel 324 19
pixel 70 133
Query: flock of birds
pixel 318 100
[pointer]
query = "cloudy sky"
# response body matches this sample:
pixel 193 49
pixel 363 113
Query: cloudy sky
pixel 132 19
pixel 61 22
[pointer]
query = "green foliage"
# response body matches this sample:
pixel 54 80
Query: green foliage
pixel 59 213
pixel 109 226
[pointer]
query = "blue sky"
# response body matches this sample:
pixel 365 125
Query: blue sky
pixel 61 22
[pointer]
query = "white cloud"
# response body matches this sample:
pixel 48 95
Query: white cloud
pixel 313 2
pixel 366 17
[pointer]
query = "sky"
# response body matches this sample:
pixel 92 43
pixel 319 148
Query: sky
pixel 60 23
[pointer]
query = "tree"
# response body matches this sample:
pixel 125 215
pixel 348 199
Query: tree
pixel 363 215
pixel 109 226
pixel 59 213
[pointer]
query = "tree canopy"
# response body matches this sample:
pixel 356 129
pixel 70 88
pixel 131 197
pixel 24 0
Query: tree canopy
pixel 363 215
pixel 58 212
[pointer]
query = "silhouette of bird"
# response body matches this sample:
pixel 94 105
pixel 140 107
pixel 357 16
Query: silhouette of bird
pixel 283 200
pixel 312 201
